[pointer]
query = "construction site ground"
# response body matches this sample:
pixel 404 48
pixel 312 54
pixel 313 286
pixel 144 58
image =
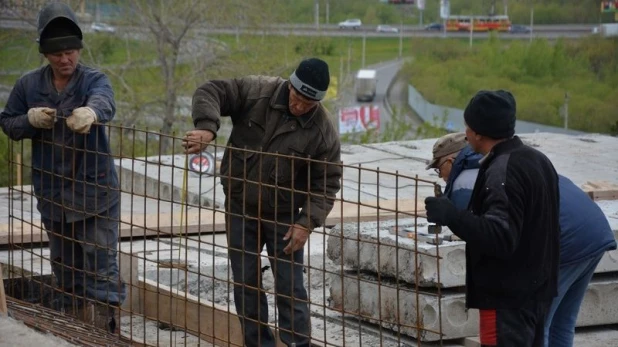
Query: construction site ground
pixel 584 159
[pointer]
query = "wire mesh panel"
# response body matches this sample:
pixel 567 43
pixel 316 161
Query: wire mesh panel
pixel 231 247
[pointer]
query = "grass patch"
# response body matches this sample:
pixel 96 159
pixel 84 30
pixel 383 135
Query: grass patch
pixel 538 73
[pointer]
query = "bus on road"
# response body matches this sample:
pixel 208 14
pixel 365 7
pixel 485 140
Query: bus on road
pixel 479 23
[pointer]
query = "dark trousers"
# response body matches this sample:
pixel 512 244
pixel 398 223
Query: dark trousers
pixel 520 327
pixel 246 239
pixel 84 259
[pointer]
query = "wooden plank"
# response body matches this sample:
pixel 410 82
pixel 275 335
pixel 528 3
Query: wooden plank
pixel 3 309
pixel 601 190
pixel 211 322
pixel 206 221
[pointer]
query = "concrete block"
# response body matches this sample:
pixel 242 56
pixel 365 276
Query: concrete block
pixel 372 246
pixel 600 306
pixel 162 178
pixel 375 248
pixel 129 274
pixel 421 315
pixel 400 307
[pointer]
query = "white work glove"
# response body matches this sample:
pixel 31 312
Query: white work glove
pixel 81 119
pixel 42 117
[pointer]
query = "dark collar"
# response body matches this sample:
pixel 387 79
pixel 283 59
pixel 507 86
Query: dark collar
pixel 501 148
pixel 281 101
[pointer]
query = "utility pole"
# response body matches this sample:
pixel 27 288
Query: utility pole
pixel 471 30
pixel 327 12
pixel 566 110
pixel 531 22
pixel 317 14
pixel 364 39
pixel 401 39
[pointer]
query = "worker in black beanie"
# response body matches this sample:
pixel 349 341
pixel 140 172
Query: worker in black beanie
pixel 274 195
pixel 511 227
pixel 311 78
pixel 492 114
pixel 58 29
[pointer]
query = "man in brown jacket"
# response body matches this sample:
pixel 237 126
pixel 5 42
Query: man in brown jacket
pixel 280 173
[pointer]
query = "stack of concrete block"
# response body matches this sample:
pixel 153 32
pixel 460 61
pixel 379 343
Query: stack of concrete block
pixel 392 280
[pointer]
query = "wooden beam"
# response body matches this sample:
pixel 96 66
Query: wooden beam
pixel 601 190
pixel 211 322
pixel 134 226
pixel 3 309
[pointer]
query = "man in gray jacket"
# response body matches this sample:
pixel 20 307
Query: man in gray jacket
pixel 274 194
pixel 61 107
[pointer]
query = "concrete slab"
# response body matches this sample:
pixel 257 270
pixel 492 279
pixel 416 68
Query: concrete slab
pixel 399 306
pixel 372 246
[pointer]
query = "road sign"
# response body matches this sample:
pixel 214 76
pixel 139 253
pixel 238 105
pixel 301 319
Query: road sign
pixel 420 4
pixel 445 9
pixel 202 163
pixel 359 119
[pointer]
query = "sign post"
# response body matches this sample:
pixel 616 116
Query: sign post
pixel 445 12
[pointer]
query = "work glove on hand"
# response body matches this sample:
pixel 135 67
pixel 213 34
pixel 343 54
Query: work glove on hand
pixel 81 119
pixel 42 117
pixel 440 210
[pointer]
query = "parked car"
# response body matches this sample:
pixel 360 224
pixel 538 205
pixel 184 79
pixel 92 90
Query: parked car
pixel 102 28
pixel 387 29
pixel 519 29
pixel 434 27
pixel 350 24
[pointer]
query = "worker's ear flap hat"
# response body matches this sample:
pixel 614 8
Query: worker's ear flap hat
pixel 58 29
pixel 311 78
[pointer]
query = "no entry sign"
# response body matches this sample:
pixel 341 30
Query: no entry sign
pixel 203 163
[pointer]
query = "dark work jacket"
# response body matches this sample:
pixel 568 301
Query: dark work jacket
pixel 73 175
pixel 258 169
pixel 511 229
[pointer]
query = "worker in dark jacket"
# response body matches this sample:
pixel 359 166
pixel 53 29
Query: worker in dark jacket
pixel 61 107
pixel 511 226
pixel 267 195
pixel 584 238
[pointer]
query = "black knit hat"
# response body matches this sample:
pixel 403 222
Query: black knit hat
pixel 311 78
pixel 492 114
pixel 58 29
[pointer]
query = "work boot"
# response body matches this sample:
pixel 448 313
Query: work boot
pixel 105 317
pixel 83 313
pixel 74 308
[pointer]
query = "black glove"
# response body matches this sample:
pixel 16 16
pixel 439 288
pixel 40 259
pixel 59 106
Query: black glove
pixel 440 210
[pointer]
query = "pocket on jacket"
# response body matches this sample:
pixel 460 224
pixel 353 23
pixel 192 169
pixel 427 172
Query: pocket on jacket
pixel 235 164
pixel 287 165
pixel 285 174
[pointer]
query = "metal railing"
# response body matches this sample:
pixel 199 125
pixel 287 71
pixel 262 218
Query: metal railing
pixel 371 270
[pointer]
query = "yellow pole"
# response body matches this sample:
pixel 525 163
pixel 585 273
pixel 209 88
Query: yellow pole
pixel 19 168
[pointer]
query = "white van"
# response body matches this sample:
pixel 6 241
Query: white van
pixel 365 85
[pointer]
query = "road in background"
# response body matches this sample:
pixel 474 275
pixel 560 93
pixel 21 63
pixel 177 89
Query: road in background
pixel 540 31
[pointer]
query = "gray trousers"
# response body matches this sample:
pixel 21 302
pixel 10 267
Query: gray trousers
pixel 84 259
pixel 246 239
